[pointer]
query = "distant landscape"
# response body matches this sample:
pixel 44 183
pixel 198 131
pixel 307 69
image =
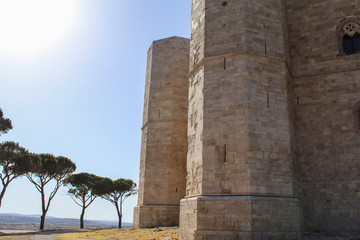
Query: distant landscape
pixel 12 221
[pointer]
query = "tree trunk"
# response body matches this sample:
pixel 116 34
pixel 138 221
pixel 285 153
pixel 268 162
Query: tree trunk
pixel 119 213
pixel 82 218
pixel 3 193
pixel 42 222
pixel 5 182
pixel 43 208
pixel 120 216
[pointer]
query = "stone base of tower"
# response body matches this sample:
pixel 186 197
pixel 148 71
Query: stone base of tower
pixel 150 216
pixel 239 217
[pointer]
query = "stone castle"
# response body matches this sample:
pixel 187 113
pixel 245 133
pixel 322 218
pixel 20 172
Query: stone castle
pixel 251 129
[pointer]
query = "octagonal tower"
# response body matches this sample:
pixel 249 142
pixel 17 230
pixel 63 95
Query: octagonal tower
pixel 239 163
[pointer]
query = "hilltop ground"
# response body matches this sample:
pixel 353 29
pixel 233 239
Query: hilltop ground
pixel 143 234
pixel 172 233
pixel 113 234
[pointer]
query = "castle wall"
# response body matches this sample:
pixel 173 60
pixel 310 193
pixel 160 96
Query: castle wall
pixel 240 176
pixel 326 87
pixel 271 113
pixel 164 136
pixel 327 151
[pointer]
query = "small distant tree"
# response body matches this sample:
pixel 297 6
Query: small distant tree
pixel 5 123
pixel 117 191
pixel 83 189
pixel 50 168
pixel 15 161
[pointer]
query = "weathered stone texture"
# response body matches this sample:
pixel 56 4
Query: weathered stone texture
pixel 195 134
pixel 313 39
pixel 239 107
pixel 239 217
pixel 250 26
pixel 328 150
pixel 326 86
pixel 164 145
pixel 146 216
pixel 197 33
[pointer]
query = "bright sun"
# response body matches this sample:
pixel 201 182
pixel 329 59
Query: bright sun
pixel 32 26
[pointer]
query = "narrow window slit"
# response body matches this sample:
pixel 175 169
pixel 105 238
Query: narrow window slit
pixel 265 47
pixel 176 190
pixel 267 100
pixel 356 114
pixel 358 120
pixel 294 166
pixel 224 63
pixel 225 153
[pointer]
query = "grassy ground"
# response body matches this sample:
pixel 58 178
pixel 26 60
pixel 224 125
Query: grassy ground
pixel 122 234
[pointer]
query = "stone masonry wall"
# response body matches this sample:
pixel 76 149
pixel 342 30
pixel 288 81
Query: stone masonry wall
pixel 326 87
pixel 239 166
pixel 327 150
pixel 272 117
pixel 239 217
pixel 164 141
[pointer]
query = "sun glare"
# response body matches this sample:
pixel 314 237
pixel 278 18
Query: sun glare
pixel 31 26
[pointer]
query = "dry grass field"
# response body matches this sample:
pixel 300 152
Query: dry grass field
pixel 122 234
pixel 15 237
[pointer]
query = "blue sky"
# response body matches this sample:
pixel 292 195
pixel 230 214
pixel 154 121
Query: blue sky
pixel 83 96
